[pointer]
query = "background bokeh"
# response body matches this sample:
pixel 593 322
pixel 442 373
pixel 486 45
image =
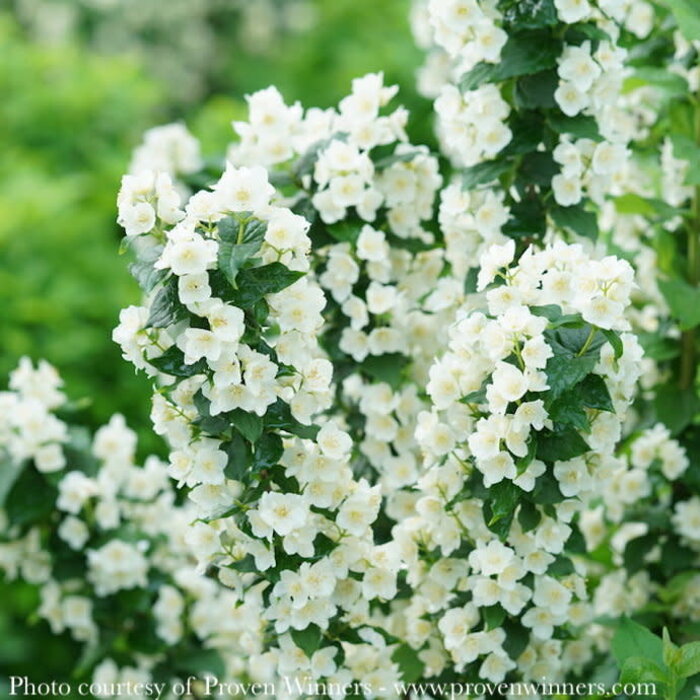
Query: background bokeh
pixel 81 80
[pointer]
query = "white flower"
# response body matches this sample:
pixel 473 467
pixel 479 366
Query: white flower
pixel 244 189
pixel 333 442
pixel 567 190
pixel 492 558
pixel 509 381
pixel 197 343
pixel 572 11
pixel 283 512
pixel 194 288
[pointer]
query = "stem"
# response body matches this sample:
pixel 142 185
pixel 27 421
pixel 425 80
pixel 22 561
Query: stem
pixel 688 345
pixel 588 342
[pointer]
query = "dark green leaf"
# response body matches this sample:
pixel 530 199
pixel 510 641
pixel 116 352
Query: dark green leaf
pixel 546 490
pixel 499 507
pixel 637 549
pixel 30 498
pixel 537 91
pixel 166 308
pixel 560 444
pixel 484 173
pixel 524 53
pixel 581 126
pixel 529 516
pixel 256 282
pixel 239 458
pixel 576 219
pixel 528 219
pixel 386 368
pixel 568 409
pixel 249 425
pixel 268 450
pixel 197 661
pixel 172 362
pixel 279 417
pixel 593 393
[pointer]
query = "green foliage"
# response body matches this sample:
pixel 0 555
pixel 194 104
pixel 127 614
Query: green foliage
pixel 645 658
pixel 69 120
pixel 525 53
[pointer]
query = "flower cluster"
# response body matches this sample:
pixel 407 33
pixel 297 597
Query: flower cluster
pixel 106 542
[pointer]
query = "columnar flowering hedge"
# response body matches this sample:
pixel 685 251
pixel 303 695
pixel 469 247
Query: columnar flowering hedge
pixel 434 414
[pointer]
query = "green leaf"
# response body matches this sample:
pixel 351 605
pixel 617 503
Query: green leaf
pixel 172 362
pixel 147 276
pixel 197 661
pixel 308 639
pixel 613 337
pixel 499 507
pixel 528 133
pixel 386 368
pixel 569 410
pixel 232 255
pixel 546 490
pixel 675 407
pixel 689 663
pixel 560 444
pixel 637 549
pixel 566 371
pixel 593 393
pixel 529 516
pixel 646 206
pixel 166 308
pixel 410 666
pixel 633 640
pixel 687 14
pixel 279 417
pixel 637 669
pixel 256 282
pixel 672 84
pixel 10 469
pixel 239 458
pixel 528 219
pixel 561 566
pixel 30 499
pixel 524 53
pixel 268 450
pixel 586 30
pixel 249 425
pixel 581 126
pixel 538 168
pixel 493 615
pixel 537 91
pixel 576 219
pixel 566 368
pixel 345 231
pixel 529 14
pixel 483 173
pixel 683 300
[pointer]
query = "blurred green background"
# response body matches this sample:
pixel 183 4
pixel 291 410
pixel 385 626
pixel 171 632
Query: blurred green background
pixel 81 80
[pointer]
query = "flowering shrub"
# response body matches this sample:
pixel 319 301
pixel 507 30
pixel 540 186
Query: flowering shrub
pixel 108 546
pixel 423 406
